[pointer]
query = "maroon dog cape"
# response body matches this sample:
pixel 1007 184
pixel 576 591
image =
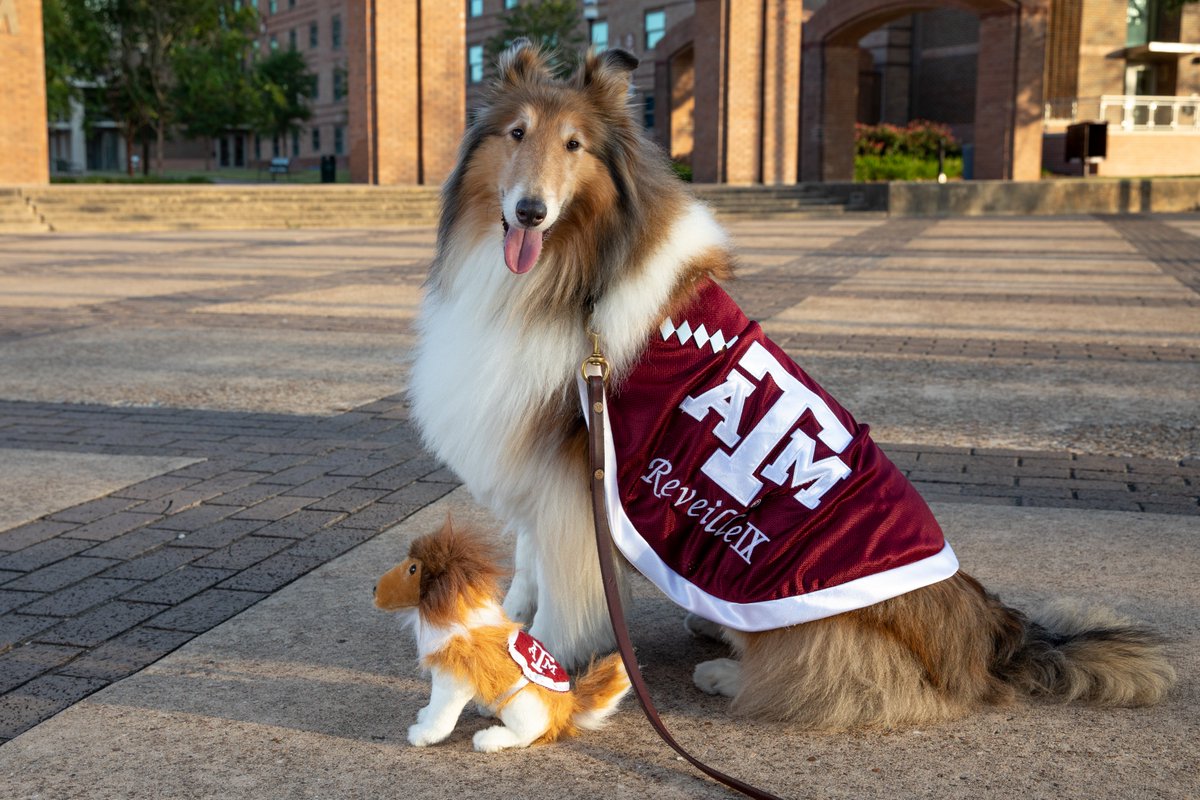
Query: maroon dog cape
pixel 745 492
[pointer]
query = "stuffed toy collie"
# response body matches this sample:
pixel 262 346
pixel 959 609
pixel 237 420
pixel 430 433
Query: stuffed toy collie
pixel 734 482
pixel 446 590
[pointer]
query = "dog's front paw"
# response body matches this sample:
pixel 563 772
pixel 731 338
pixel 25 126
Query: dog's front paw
pixel 422 735
pixel 722 676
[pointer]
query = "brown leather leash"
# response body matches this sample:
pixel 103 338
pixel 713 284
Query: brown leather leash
pixel 595 372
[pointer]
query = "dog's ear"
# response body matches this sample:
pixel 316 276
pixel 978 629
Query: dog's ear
pixel 522 62
pixel 607 74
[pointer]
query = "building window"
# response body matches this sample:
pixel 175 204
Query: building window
pixel 316 86
pixel 339 140
pixel 476 8
pixel 274 43
pixel 295 144
pixel 335 31
pixel 291 3
pixel 313 37
pixel 316 140
pixel 292 39
pixel 510 3
pixel 475 63
pixel 274 147
pixel 656 27
pixel 272 6
pixel 599 34
pixel 339 83
pixel 1141 21
pixel 257 147
pixel 648 112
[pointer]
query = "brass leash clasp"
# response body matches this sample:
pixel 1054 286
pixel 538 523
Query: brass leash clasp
pixel 596 359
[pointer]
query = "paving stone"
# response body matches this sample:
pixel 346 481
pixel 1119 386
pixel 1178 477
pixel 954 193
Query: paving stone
pixel 295 476
pixel 175 502
pixel 277 463
pixel 331 542
pixel 43 553
pixel 401 474
pixel 11 601
pixel 60 574
pixel 275 508
pixel 177 586
pixel 248 495
pixel 323 486
pixel 227 481
pixel 193 519
pixel 7 575
pixel 300 525
pixel 417 495
pixel 443 475
pixel 42 697
pixel 32 533
pixel 80 597
pixel 133 544
pixel 24 663
pixel 99 624
pixel 244 552
pixel 348 500
pixel 272 573
pixel 112 526
pixel 205 610
pixel 155 564
pixel 218 534
pixel 156 487
pixel 93 510
pixel 17 628
pixel 126 654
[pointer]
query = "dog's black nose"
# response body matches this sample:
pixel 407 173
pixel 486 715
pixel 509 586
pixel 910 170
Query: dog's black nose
pixel 530 212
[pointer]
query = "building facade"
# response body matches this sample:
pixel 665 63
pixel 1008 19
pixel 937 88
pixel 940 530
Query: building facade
pixel 744 91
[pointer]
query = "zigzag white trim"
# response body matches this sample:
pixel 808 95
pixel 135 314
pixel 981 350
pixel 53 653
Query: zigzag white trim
pixel 701 336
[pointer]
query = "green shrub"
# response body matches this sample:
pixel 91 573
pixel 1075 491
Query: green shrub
pixel 919 138
pixel 684 171
pixel 899 167
pixel 120 178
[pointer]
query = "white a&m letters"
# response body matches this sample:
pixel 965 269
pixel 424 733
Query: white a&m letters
pixel 735 471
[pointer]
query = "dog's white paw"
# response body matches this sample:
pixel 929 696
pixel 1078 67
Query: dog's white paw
pixel 702 628
pixel 520 606
pixel 422 735
pixel 491 740
pixel 721 676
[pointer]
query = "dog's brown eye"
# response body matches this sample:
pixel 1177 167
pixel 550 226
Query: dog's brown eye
pixel 573 144
pixel 412 570
pixel 517 133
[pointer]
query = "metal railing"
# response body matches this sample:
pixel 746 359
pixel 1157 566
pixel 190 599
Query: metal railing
pixel 1130 112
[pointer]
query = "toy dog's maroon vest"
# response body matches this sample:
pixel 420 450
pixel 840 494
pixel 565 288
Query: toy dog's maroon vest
pixel 745 492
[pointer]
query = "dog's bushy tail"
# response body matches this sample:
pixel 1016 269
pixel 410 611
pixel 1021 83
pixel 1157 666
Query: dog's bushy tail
pixel 598 692
pixel 1069 652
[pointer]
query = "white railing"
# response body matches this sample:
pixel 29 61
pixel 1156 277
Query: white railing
pixel 1130 112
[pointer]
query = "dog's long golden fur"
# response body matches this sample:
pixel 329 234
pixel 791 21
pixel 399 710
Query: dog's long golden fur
pixel 626 232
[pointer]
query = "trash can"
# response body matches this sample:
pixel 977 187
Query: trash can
pixel 328 169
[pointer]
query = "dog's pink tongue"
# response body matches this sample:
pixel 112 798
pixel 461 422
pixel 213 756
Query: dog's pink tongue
pixel 521 249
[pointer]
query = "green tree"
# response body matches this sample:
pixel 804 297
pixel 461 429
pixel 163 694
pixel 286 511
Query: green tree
pixel 556 24
pixel 76 50
pixel 214 89
pixel 284 86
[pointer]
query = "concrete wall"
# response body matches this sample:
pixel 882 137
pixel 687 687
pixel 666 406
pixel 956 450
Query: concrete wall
pixel 1132 154
pixel 24 144
pixel 1070 196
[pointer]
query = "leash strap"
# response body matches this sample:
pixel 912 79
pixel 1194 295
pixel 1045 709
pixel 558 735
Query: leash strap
pixel 612 592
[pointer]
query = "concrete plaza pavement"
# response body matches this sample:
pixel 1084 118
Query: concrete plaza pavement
pixel 209 459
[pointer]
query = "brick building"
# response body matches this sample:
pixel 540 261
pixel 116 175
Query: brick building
pixel 751 91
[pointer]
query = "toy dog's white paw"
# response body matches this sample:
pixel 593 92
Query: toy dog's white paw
pixel 491 740
pixel 721 676
pixel 702 628
pixel 422 735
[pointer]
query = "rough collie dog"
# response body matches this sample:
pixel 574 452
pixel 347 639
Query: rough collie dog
pixel 560 218
pixel 446 590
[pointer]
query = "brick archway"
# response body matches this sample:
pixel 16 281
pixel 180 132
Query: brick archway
pixel 1008 105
